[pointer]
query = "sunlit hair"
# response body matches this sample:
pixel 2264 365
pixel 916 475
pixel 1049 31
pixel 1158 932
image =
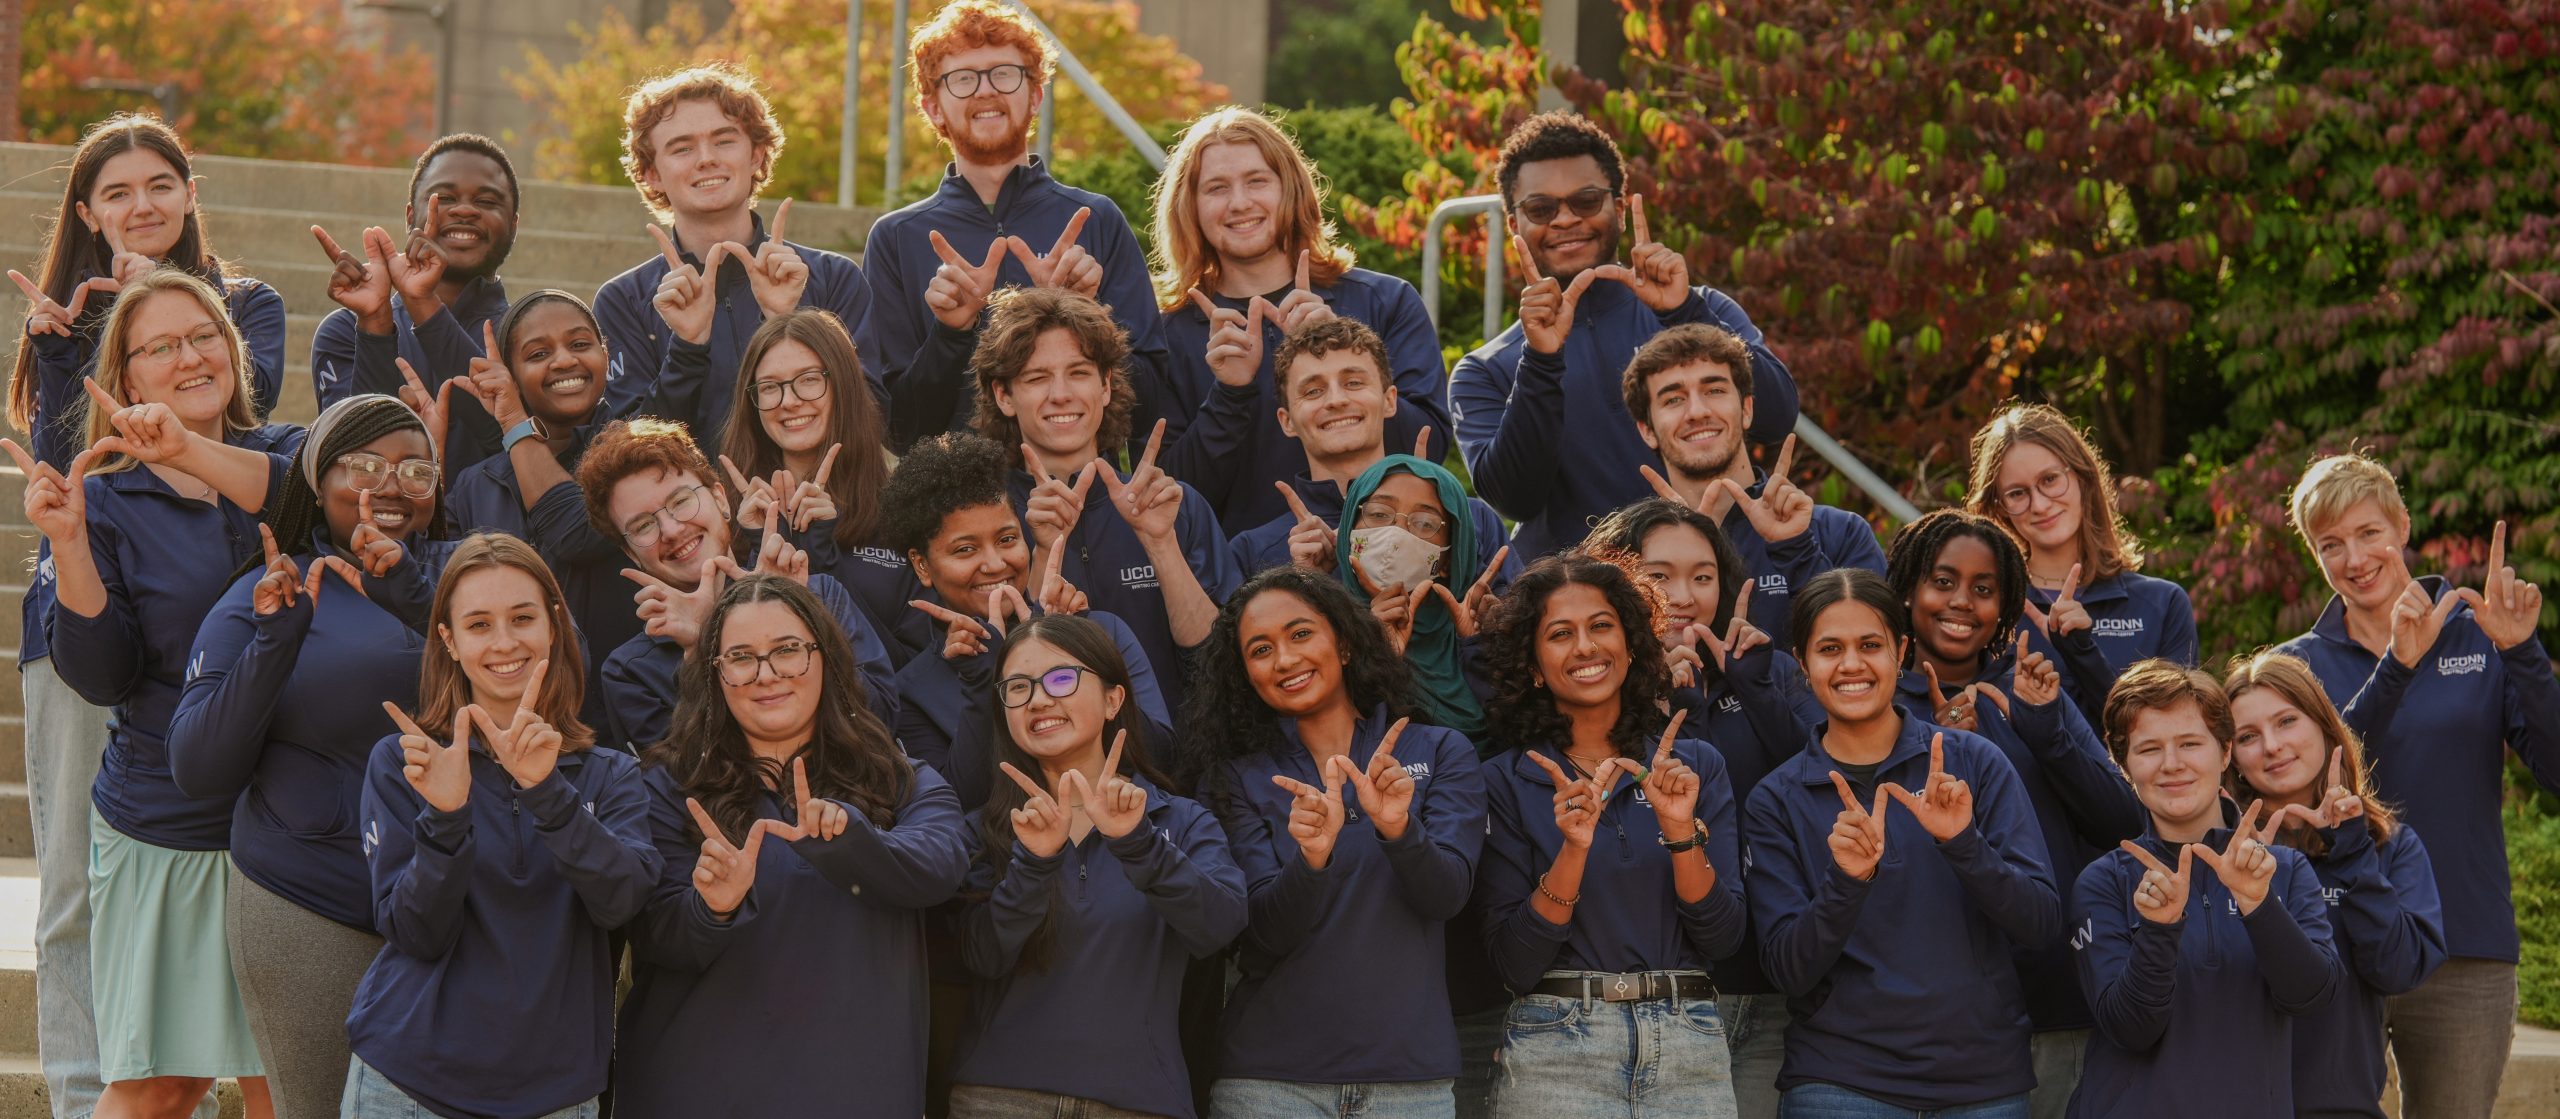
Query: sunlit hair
pixel 74 251
pixel 628 447
pixel 655 100
pixel 2106 549
pixel 1676 348
pixel 967 26
pixel 1183 258
pixel 2335 483
pixel 1523 711
pixel 2161 685
pixel 443 688
pixel 853 419
pixel 116 343
pixel 2292 681
pixel 1016 319
pixel 1325 336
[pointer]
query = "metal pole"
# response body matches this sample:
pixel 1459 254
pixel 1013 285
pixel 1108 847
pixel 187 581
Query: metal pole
pixel 1441 215
pixel 849 131
pixel 1128 125
pixel 1493 262
pixel 897 161
pixel 1048 132
pixel 1857 473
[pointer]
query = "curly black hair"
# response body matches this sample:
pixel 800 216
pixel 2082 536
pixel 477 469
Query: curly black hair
pixel 1915 553
pixel 1225 718
pixel 1624 531
pixel 1523 712
pixel 1557 134
pixel 476 144
pixel 936 478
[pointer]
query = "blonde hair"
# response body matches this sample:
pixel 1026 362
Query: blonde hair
pixel 2106 549
pixel 116 342
pixel 724 85
pixel 2292 681
pixel 2335 483
pixel 1183 258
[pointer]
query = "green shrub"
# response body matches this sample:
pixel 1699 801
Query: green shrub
pixel 2533 849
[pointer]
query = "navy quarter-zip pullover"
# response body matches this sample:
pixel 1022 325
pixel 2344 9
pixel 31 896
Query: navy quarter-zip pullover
pixel 346 361
pixel 1226 441
pixel 1107 562
pixel 2388 929
pixel 1547 437
pixel 810 999
pixel 1345 968
pixel 640 676
pixel 1266 545
pixel 2434 736
pixel 1099 1022
pixel 588 564
pixel 926 364
pixel 165 560
pixel 648 378
pixel 946 709
pixel 493 995
pixel 2196 1018
pixel 1836 538
pixel 1629 917
pixel 2132 617
pixel 1758 714
pixel 1902 987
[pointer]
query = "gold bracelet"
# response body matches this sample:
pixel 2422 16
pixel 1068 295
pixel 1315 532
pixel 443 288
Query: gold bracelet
pixel 1550 895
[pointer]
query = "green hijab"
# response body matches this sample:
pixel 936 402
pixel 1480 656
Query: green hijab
pixel 1435 653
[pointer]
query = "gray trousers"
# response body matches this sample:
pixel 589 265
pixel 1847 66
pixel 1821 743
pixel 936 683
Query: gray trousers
pixel 297 972
pixel 2450 1039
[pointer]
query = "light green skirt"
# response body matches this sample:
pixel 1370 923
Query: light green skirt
pixel 160 963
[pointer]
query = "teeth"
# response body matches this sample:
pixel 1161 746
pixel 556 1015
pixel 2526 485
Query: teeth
pixel 387 517
pixel 1589 672
pixel 1861 687
pixel 507 668
pixel 1298 680
pixel 569 385
pixel 194 383
pixel 1040 725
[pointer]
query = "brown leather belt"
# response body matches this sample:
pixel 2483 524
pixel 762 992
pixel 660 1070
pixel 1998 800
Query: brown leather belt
pixel 1633 986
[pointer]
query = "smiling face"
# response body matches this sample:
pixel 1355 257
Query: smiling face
pixel 1059 397
pixel 475 211
pixel 676 555
pixel 2048 523
pixel 195 385
pixel 497 627
pixel 705 163
pixel 2360 554
pixel 771 708
pixel 986 127
pixel 1581 653
pixel 977 550
pixel 1681 564
pixel 2280 750
pixel 1055 728
pixel 1852 661
pixel 1290 654
pixel 1336 404
pixel 1570 243
pixel 1239 202
pixel 2176 764
pixel 142 199
pixel 395 512
pixel 1696 418
pixel 797 426
pixel 1956 606
pixel 559 361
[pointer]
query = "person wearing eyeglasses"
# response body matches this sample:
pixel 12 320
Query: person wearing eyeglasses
pixel 179 467
pixel 646 485
pixel 282 707
pixel 779 962
pixel 1538 412
pixel 997 220
pixel 1421 573
pixel 2035 473
pixel 699 144
pixel 817 448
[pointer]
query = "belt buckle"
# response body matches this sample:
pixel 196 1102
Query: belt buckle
pixel 1620 988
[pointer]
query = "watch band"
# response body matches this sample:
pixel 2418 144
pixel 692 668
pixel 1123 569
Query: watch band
pixel 1697 838
pixel 522 430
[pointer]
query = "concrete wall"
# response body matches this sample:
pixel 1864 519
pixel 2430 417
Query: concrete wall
pixel 1231 38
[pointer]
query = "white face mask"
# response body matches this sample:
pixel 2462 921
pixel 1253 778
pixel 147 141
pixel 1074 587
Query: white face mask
pixel 1389 555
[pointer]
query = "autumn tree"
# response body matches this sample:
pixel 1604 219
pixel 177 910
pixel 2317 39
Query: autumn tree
pixel 796 49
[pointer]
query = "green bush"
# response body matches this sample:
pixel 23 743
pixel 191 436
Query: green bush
pixel 2533 849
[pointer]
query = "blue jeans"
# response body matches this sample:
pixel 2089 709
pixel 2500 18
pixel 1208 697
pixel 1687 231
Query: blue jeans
pixel 1755 1029
pixel 1831 1101
pixel 371 1096
pixel 1586 1059
pixel 1281 1099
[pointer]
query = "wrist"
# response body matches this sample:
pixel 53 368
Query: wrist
pixel 1391 829
pixel 376 321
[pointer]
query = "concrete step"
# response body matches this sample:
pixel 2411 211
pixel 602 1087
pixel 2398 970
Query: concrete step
pixel 13 732
pixel 303 278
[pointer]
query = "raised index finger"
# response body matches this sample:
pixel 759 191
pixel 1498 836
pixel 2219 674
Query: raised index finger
pixel 710 830
pixel 1635 211
pixel 98 392
pixel 800 782
pixel 2497 548
pixel 1155 441
pixel 1303 257
pixel 1075 225
pixel 666 246
pixel 27 466
pixel 1030 787
pixel 827 464
pixel 329 245
pixel 1387 745
pixel 943 249
pixel 533 689
pixel 1937 753
pixel 1111 761
pixel 1848 800
pixel 1786 457
pixel 1528 263
pixel 2142 856
pixel 2070 583
pixel 401 718
pixel 1662 753
pixel 2248 826
pixel 1485 581
pixel 781 214
pixel 1297 508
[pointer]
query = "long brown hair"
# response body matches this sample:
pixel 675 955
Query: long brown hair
pixel 2292 681
pixel 1184 259
pixel 74 250
pixel 443 690
pixel 853 419
pixel 2106 549
pixel 115 341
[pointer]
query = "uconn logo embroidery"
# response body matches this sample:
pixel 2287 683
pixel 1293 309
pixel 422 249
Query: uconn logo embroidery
pixel 1138 577
pixel 44 570
pixel 880 557
pixel 1728 705
pixel 1773 583
pixel 1419 771
pixel 372 836
pixel 2118 627
pixel 195 666
pixel 2333 894
pixel 2082 937
pixel 2462 665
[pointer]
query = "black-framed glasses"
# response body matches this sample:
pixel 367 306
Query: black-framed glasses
pixel 789 660
pixel 1059 682
pixel 1539 209
pixel 1421 522
pixel 642 531
pixel 2052 483
pixel 206 340
pixel 811 385
pixel 1007 78
pixel 368 473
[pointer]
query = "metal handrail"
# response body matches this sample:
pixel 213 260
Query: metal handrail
pixel 1807 431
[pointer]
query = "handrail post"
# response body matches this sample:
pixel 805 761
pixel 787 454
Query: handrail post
pixel 1119 117
pixel 897 160
pixel 1441 215
pixel 851 132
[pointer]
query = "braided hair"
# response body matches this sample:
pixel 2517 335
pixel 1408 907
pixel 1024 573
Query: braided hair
pixel 344 428
pixel 1915 553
